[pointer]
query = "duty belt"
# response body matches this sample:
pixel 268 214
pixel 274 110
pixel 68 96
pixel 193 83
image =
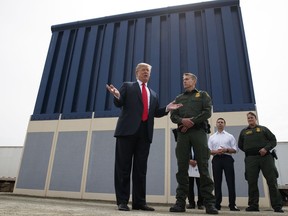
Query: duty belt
pixel 255 153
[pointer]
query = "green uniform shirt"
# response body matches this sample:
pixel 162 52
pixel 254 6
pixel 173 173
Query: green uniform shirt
pixel 253 139
pixel 196 106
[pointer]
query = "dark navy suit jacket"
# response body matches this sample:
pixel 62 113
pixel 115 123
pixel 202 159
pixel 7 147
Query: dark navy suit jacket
pixel 131 104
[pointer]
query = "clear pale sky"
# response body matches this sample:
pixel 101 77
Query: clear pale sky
pixel 26 33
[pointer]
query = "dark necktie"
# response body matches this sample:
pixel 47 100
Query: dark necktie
pixel 145 103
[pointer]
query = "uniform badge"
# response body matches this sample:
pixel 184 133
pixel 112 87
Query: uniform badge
pixel 258 130
pixel 248 132
pixel 197 94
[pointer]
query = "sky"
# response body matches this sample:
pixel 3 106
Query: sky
pixel 26 33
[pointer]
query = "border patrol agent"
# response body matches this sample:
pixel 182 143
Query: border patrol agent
pixel 191 119
pixel 257 141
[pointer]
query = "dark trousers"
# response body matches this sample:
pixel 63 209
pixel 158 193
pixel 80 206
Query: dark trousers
pixel 224 163
pixel 253 165
pixel 131 151
pixel 198 140
pixel 191 194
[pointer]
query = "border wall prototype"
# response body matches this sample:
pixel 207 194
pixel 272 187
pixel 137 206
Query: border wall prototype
pixel 69 146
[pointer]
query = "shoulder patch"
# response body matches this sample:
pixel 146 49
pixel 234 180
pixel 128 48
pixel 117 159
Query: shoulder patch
pixel 206 94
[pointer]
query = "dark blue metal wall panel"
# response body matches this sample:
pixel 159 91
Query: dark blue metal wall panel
pixel 206 39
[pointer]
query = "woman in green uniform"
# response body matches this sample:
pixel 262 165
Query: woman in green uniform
pixel 257 141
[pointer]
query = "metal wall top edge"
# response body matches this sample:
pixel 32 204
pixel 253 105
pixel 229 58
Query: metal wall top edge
pixel 146 13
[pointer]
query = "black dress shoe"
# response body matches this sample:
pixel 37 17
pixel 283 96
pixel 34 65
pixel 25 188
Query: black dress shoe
pixel 211 210
pixel 234 208
pixel 190 206
pixel 279 210
pixel 200 207
pixel 252 209
pixel 123 207
pixel 177 208
pixel 142 207
pixel 218 207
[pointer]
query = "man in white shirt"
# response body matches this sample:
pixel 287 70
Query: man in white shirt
pixel 222 145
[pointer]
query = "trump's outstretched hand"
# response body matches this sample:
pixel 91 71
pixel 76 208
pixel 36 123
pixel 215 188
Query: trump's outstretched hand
pixel 173 106
pixel 113 90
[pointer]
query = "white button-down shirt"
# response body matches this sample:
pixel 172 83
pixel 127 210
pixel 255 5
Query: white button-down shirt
pixel 222 140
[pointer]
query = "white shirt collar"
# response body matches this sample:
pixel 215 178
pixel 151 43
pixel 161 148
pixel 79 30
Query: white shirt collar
pixel 140 83
pixel 222 132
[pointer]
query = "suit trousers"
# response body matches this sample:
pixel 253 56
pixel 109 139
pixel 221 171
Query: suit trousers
pixel 191 194
pixel 131 151
pixel 224 163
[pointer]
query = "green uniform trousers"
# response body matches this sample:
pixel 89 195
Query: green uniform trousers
pixel 196 138
pixel 253 165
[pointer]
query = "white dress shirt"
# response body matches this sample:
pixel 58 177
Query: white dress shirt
pixel 222 140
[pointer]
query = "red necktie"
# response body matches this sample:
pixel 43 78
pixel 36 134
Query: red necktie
pixel 145 103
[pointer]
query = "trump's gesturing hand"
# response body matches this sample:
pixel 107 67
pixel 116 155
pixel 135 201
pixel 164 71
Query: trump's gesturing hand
pixel 173 106
pixel 113 90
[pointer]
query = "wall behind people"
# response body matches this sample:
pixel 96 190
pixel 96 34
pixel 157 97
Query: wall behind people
pixel 281 163
pixel 86 55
